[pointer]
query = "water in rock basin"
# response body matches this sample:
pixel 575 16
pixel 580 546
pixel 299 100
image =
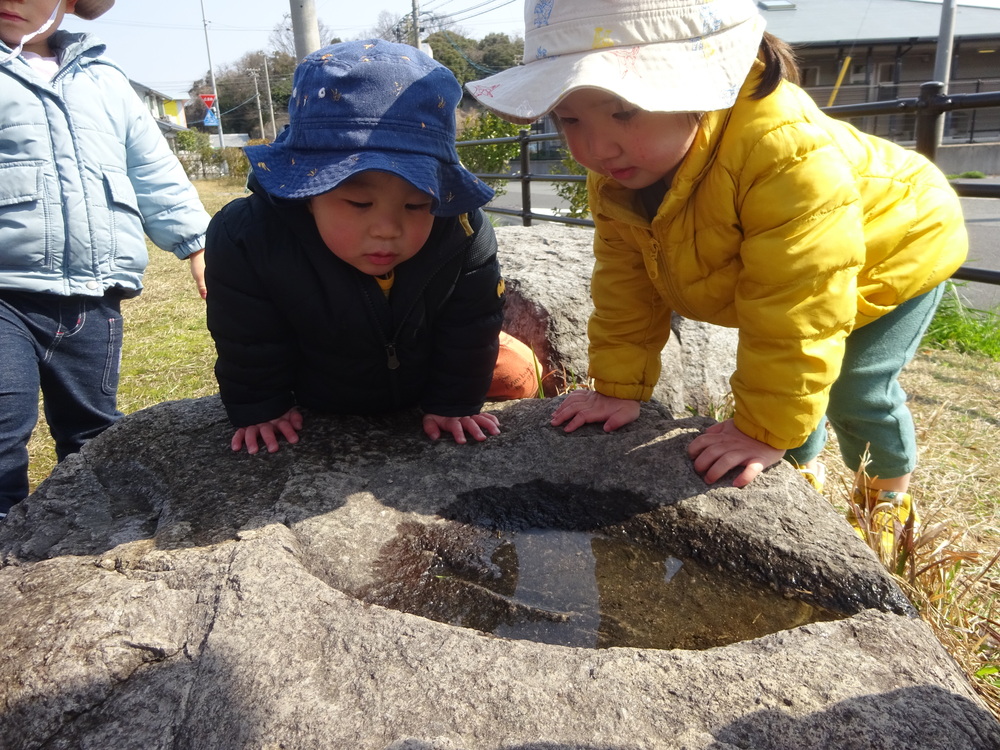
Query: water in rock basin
pixel 585 589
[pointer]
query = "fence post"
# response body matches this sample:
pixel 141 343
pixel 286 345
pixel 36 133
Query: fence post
pixel 928 113
pixel 972 120
pixel 525 179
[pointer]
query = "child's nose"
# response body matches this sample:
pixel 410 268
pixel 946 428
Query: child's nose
pixel 602 146
pixel 387 224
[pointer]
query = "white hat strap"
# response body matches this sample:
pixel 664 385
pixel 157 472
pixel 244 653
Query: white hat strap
pixel 28 37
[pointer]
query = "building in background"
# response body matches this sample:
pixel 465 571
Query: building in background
pixel 167 110
pixel 886 49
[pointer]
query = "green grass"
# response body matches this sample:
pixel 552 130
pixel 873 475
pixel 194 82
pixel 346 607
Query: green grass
pixel 953 384
pixel 964 329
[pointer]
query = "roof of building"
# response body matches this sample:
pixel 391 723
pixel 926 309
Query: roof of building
pixel 831 22
pixel 229 140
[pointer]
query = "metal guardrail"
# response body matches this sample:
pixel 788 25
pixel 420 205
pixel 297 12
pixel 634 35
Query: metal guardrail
pixel 928 109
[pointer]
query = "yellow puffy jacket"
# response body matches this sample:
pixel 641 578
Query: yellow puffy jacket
pixel 789 225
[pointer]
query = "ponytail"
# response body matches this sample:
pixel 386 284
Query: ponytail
pixel 779 64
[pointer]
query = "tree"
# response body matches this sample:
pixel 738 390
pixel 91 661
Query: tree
pixel 455 53
pixel 493 158
pixel 394 27
pixel 237 95
pixel 467 58
pixel 574 193
pixel 385 26
pixel 282 38
pixel 192 140
pixel 498 51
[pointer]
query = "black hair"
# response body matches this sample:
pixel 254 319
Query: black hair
pixel 779 65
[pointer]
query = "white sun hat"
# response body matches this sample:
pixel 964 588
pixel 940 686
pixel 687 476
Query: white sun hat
pixel 659 55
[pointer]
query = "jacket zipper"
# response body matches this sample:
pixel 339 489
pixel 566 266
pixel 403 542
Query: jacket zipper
pixel 389 342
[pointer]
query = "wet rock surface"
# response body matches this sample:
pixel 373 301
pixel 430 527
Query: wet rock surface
pixel 161 591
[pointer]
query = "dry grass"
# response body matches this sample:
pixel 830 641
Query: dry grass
pixel 951 574
pixel 949 565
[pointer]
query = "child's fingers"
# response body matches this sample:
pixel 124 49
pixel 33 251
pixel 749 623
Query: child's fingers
pixel 270 439
pixel 469 426
pixel 493 422
pixel 476 424
pixel 457 430
pixel 627 412
pixel 578 420
pixel 250 439
pixel 431 428
pixel 712 458
pixel 478 428
pixel 561 414
pixel 288 430
pixel 237 442
pixel 569 408
pixel 753 468
pixel 718 468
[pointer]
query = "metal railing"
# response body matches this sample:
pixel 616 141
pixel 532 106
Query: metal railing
pixel 929 107
pixel 978 126
pixel 525 176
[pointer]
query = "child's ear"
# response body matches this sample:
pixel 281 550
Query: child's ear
pixel 70 6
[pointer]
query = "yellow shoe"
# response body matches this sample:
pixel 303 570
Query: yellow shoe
pixel 816 477
pixel 890 517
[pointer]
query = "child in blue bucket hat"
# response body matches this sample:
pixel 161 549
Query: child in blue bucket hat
pixel 360 276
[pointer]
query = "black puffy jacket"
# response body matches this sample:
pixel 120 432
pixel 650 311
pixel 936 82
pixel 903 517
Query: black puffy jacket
pixel 295 325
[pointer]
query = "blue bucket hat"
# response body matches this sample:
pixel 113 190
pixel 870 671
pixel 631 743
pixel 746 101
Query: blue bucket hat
pixel 370 105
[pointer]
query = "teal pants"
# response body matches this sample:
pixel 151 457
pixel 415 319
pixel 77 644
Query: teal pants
pixel 867 404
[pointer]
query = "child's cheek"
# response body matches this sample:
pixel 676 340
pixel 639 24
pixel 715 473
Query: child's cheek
pixel 576 148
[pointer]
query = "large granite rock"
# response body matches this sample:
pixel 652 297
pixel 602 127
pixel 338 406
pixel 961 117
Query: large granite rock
pixel 548 269
pixel 160 591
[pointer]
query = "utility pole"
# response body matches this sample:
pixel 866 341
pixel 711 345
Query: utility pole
pixel 255 74
pixel 416 24
pixel 304 27
pixel 211 73
pixel 942 58
pixel 270 99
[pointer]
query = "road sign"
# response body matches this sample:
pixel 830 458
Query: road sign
pixel 209 99
pixel 210 118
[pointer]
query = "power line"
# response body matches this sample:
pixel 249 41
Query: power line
pixel 472 63
pixel 502 4
pixel 183 26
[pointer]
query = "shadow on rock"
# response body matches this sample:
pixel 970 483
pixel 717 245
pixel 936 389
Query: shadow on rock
pixel 926 716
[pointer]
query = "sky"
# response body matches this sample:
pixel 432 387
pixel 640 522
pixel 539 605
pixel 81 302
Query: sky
pixel 162 44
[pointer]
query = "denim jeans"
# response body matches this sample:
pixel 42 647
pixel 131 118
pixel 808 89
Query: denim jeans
pixel 867 404
pixel 70 349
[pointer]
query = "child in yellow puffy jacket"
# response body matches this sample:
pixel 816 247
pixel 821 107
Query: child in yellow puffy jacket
pixel 721 192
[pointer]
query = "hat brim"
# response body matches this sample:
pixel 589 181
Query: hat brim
pixel 91 9
pixel 298 175
pixel 693 75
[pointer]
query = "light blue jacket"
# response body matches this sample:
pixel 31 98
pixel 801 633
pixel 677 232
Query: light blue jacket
pixel 85 173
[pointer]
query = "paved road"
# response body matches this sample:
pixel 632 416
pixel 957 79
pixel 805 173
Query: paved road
pixel 982 218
